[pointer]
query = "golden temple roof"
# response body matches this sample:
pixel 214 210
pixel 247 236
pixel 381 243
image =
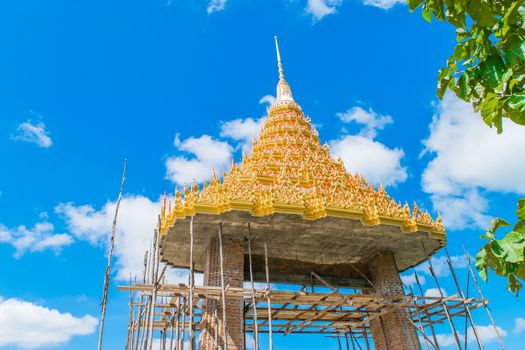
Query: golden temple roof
pixel 289 171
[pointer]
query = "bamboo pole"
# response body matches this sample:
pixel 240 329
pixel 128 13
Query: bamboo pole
pixel 139 312
pixel 269 302
pixel 155 271
pixel 172 329
pixel 452 327
pixel 177 325
pixel 254 303
pixel 419 319
pixel 353 338
pixel 190 330
pixel 432 331
pixel 183 330
pixel 107 274
pixel 365 335
pixel 466 320
pixel 130 321
pixel 474 278
pixel 382 328
pixel 223 291
pixel 467 309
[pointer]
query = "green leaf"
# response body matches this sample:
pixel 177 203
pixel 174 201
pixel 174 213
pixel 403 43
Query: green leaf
pixel 414 4
pixel 427 14
pixel 488 110
pixel 495 224
pixel 439 9
pixel 464 88
pixel 515 54
pixel 481 12
pixel 510 248
pixel 514 285
pixel 520 226
pixel 521 209
pixel 462 34
pixel 481 263
pixel 443 81
pixel 492 71
pixel 516 108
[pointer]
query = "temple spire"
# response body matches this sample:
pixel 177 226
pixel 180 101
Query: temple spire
pixel 284 93
pixel 279 63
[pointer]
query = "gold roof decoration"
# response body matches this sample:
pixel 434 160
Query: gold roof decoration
pixel 289 171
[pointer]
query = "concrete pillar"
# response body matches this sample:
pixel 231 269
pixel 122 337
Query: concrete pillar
pixel 233 253
pixel 393 327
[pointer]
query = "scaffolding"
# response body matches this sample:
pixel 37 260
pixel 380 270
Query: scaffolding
pixel 168 316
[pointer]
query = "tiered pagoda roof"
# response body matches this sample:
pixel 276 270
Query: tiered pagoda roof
pixel 289 171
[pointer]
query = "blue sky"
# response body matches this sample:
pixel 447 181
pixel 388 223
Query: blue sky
pixel 85 84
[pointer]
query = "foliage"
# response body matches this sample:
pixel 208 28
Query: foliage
pixel 505 256
pixel 487 67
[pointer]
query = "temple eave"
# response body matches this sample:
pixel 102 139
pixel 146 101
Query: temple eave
pixel 406 226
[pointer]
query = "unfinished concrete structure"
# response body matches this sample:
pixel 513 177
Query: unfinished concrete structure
pixel 290 214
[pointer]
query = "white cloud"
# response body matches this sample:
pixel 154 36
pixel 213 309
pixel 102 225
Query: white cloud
pixel 466 209
pixel 520 326
pixel 487 334
pixel 38 238
pixel 216 5
pixel 207 153
pixel 243 130
pixel 468 159
pixel 384 4
pixel 268 99
pixel 28 326
pixel 33 133
pixel 372 159
pixel 137 219
pixel 371 121
pixel 434 292
pixel 410 280
pixel 135 224
pixel 440 265
pixel 320 8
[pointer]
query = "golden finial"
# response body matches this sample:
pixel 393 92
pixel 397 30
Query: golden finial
pixel 279 63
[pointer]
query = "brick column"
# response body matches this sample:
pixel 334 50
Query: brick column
pixel 233 254
pixel 392 326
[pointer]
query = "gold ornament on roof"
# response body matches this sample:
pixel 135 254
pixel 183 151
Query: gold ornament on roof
pixel 289 171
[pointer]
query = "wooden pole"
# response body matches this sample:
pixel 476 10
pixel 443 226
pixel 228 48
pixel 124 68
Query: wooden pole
pixel 177 325
pixel 466 319
pixel 452 327
pixel 155 271
pixel 139 312
pixel 190 330
pixel 254 303
pixel 467 309
pixel 382 327
pixel 353 338
pixel 419 318
pixel 365 335
pixel 269 302
pixel 183 330
pixel 484 303
pixel 426 312
pixel 107 274
pixel 131 330
pixel 223 291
